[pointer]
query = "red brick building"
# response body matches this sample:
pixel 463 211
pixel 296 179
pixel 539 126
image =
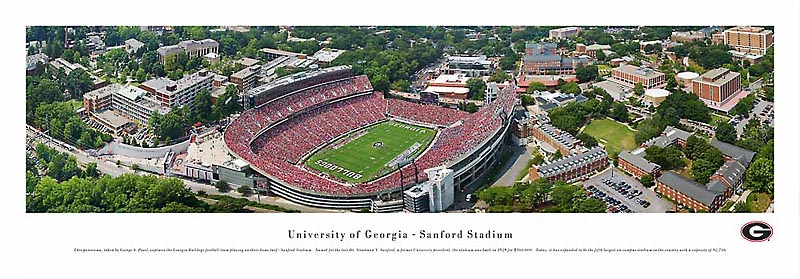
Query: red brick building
pixel 573 168
pixel 717 85
pixel 637 166
pixel 691 194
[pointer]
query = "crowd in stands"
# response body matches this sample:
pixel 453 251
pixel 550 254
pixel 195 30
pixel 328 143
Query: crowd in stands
pixel 424 113
pixel 310 118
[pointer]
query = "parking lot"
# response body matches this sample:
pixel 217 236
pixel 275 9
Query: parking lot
pixel 624 194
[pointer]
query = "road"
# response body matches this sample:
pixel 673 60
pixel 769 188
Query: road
pixel 111 168
pixel 512 168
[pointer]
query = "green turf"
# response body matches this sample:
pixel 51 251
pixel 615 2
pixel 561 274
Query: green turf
pixel 716 117
pixel 759 202
pixel 360 156
pixel 615 136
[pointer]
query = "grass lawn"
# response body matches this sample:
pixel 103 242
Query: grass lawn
pixel 727 207
pixel 687 170
pixel 368 154
pixel 759 202
pixel 612 134
pixel 716 117
pixel 603 69
pixel 75 104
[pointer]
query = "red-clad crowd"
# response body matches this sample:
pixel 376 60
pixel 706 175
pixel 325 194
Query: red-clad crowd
pixel 424 113
pixel 295 131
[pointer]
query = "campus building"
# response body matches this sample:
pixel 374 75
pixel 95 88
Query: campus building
pixel 572 168
pixel 636 165
pixel 247 78
pixel 755 40
pixel 733 152
pixel 172 94
pixel 717 85
pixel 565 32
pixel 434 195
pixel 136 104
pixel 687 37
pixel 592 50
pixel 671 136
pixel 326 55
pixel 545 58
pixel 472 66
pixel 99 99
pixel 691 194
pixel 272 54
pixel 60 63
pixel 629 75
pixel 554 138
pixel 192 49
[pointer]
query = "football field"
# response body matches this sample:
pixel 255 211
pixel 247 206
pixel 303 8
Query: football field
pixel 363 155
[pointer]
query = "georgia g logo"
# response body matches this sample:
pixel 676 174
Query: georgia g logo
pixel 756 231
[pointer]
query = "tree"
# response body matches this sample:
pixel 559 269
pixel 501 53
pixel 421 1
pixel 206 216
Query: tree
pixel 695 146
pixel 202 105
pixel 555 156
pixel 31 180
pixel 725 132
pixel 125 193
pixel 587 139
pixel 742 207
pixel 600 55
pixel 647 180
pixel 536 86
pixel 244 190
pixel 702 170
pixel 619 112
pixel 744 106
pixel 91 170
pixel 476 87
pixel 564 195
pixel 669 158
pixel 760 176
pixel 570 88
pixel 499 76
pixel 638 88
pixel 222 186
pixel 591 205
pixel 587 73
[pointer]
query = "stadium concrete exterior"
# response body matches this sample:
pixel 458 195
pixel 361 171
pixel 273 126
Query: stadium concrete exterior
pixel 467 168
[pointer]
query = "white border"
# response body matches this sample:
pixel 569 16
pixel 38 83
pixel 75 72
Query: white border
pixel 43 243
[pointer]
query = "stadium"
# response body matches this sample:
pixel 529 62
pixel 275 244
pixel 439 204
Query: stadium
pixel 325 138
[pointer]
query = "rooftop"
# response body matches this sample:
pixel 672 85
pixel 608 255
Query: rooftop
pixel 327 54
pixel 133 43
pixel 639 71
pixel 731 171
pixel 639 162
pixel 668 137
pixel 247 62
pixel 689 187
pixel 718 76
pixel 572 162
pixel 742 155
pixel 103 91
pixel 562 137
pixel 293 78
pixel 279 52
pixel 749 29
pixel 112 118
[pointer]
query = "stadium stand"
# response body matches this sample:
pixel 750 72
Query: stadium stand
pixel 275 135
